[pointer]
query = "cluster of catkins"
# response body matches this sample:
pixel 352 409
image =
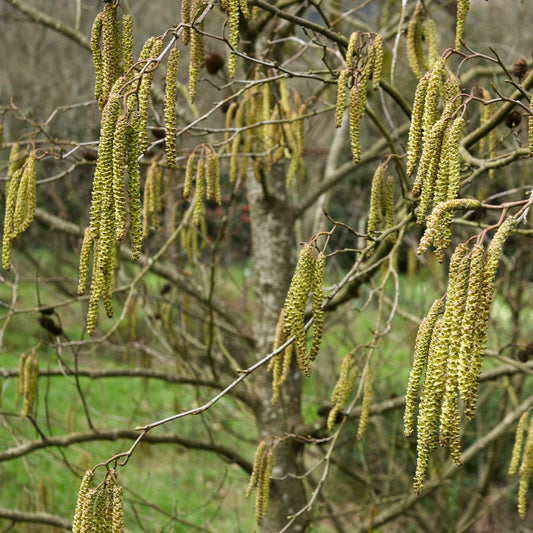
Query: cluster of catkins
pixel 363 63
pixel 433 151
pixel 204 170
pixel 122 90
pixel 422 33
pixel 99 508
pixel 260 478
pixel 307 279
pixel 449 350
pixel 272 120
pixel 20 199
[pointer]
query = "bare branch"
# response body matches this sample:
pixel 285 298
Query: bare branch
pixel 50 22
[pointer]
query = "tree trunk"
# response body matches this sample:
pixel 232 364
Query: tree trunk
pixel 272 241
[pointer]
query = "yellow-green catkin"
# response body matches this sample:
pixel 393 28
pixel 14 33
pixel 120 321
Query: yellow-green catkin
pixel 378 61
pixel 85 487
pixel 424 184
pixel 25 197
pixel 85 255
pixel 20 379
pixel 415 130
pixel 462 12
pixel 518 441
pixel 262 493
pixel 355 118
pixel 170 107
pixel 261 448
pixel 295 303
pixel 317 301
pixel 421 350
pixel 189 174
pixel 492 259
pixel 213 177
pixel 343 388
pixel 134 185
pixel 365 406
pixel 31 381
pixel 429 35
pixel 198 206
pixel 525 472
pixel 87 514
pixel 415 55
pixel 260 478
pixel 455 308
pixel 119 162
pixel 389 201
pixel 127 44
pixel 9 232
pixel 438 216
pixel 186 20
pixel 196 59
pixel 110 52
pixel 428 411
pixel 97 58
pixel 431 105
pixel 117 506
pixel 377 200
pixel 233 14
pixel 468 366
pixel 149 54
pixel 280 363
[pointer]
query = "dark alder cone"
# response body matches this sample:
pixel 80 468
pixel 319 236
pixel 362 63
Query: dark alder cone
pixel 48 324
pixel 523 355
pixel 165 289
pixel 520 68
pixel 89 154
pixel 158 132
pixel 513 119
pixel 213 62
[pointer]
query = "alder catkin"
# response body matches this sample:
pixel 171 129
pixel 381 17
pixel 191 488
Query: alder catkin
pixel 428 411
pixel 377 200
pixel 462 11
pixel 525 472
pixel 295 302
pixel 518 441
pixel 378 61
pixel 414 42
pixel 85 255
pixel 468 366
pixel 127 44
pixel 421 350
pixel 317 300
pixel 85 487
pixel 96 34
pixel 134 185
pixel 170 107
pixel 343 388
pixel 365 406
pixel 355 117
pixel 415 130
pixel 119 162
pixel 233 13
